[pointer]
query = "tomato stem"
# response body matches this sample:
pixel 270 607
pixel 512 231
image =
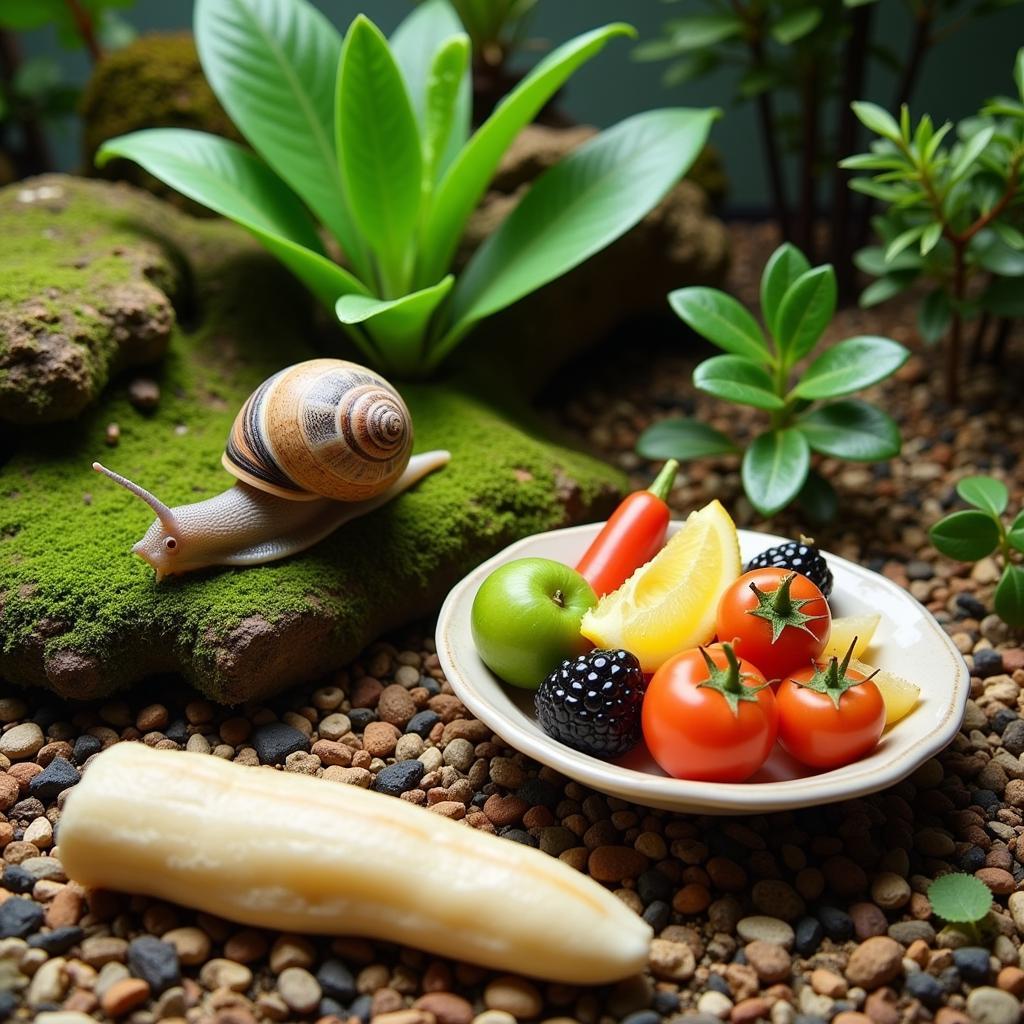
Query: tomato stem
pixel 832 680
pixel 728 681
pixel 780 609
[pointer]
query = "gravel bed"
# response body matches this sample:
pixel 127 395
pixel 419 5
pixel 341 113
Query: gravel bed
pixel 795 918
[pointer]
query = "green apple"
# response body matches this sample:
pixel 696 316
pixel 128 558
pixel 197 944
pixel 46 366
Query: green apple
pixel 526 619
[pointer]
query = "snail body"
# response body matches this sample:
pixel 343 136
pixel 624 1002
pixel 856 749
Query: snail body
pixel 316 445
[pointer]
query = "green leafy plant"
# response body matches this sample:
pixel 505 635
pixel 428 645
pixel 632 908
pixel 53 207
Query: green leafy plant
pixel 961 899
pixel 797 304
pixel 952 219
pixel 34 94
pixel 373 137
pixel 978 532
pixel 793 58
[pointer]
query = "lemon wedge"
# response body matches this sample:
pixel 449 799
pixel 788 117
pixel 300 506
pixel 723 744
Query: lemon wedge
pixel 669 604
pixel 899 694
pixel 845 629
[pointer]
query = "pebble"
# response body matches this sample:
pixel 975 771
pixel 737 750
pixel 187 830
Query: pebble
pixel 19 917
pixel 155 961
pixel 422 722
pixel 973 963
pixel 380 739
pixel 48 983
pixel 21 741
pixel 396 706
pixel 299 989
pixel 221 973
pixel 291 951
pixel 513 995
pixel 828 983
pixel 775 898
pixel 889 891
pixel 446 1007
pixel 58 775
pixel 714 1004
pixel 988 1005
pixel 671 961
pixel 809 934
pixel 124 996
pixel 868 920
pixel 906 932
pixel 459 754
pixel 336 981
pixel 615 863
pixel 771 962
pixel 192 944
pixel 399 777
pixel 766 929
pixel 58 940
pixel 274 741
pixel 836 923
pixel 875 962
pixel 923 986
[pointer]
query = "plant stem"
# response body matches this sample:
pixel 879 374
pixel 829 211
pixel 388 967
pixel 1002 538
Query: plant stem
pixel 86 29
pixel 855 65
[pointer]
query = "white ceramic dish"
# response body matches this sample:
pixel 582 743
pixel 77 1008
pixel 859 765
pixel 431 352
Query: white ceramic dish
pixel 908 641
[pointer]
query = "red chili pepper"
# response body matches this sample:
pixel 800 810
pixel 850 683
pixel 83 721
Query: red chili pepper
pixel 633 535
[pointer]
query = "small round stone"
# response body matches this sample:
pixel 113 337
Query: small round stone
pixel 771 930
pixel 399 777
pixel 875 962
pixel 124 996
pixel 221 973
pixel 274 741
pixel 192 944
pixel 987 1005
pixel 19 917
pixel 21 741
pixel 154 961
pixel 299 989
pixel 771 962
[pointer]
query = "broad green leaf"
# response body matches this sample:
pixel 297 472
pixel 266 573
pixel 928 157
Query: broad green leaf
pixel 876 120
pixel 930 237
pixel 415 45
pixel 796 24
pixel 273 67
pixel 851 365
pixel 872 261
pixel 466 179
pixel 574 209
pixel 818 498
pixel 683 439
pixel 806 310
pixel 1009 596
pixel 903 241
pixel 984 492
pixel 775 468
pixel 966 536
pixel 853 430
pixel 235 183
pixel 737 379
pixel 697 31
pixel 960 898
pixel 784 266
pixel 399 327
pixel 1015 535
pixel 722 320
pixel 933 316
pixel 447 75
pixel 972 149
pixel 379 151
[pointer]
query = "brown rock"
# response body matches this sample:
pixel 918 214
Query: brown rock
pixel 1000 881
pixel 615 863
pixel 852 1017
pixel 124 996
pixel 671 961
pixel 693 898
pixel 395 705
pixel 949 1015
pixel 772 963
pixel 880 1006
pixel 332 752
pixel 65 908
pixel 504 810
pixel 868 920
pixel 749 1010
pixel 380 739
pixel 726 874
pixel 875 962
pixel 827 983
pixel 9 791
pixel 366 692
pixel 1011 979
pixel 446 1007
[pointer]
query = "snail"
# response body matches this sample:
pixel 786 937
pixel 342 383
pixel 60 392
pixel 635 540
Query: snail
pixel 314 446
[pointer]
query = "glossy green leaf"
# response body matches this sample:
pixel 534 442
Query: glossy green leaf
pixel 1009 596
pixel 775 468
pixel 737 379
pixel 683 439
pixel 697 31
pixel 818 498
pixel 933 316
pixel 1015 535
pixel 851 365
pixel 965 536
pixel 960 898
pixel 1018 72
pixel 235 183
pixel 399 327
pixel 884 289
pixel 984 492
pixel 273 67
pixel 930 237
pixel 443 98
pixel 379 151
pixel 972 149
pixel 872 261
pixel 574 209
pixel 806 310
pixel 796 24
pixel 465 181
pixel 876 120
pixel 784 266
pixel 853 430
pixel 722 320
pixel 1010 235
pixel 903 241
pixel 415 45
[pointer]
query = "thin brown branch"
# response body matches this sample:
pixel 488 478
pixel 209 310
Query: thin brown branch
pixel 86 29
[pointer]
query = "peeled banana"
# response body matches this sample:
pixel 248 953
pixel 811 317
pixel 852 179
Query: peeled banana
pixel 286 851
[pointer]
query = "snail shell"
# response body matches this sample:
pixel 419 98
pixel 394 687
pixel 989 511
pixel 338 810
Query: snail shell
pixel 323 428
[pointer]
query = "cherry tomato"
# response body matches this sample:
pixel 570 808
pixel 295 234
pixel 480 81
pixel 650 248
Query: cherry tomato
pixel 709 715
pixel 829 714
pixel 780 626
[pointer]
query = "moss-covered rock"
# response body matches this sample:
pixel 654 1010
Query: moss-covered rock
pixel 81 615
pixel 82 293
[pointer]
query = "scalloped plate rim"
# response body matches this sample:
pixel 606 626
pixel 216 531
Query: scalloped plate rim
pixel 863 777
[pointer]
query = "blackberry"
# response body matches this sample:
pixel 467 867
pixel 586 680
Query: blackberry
pixel 799 555
pixel 592 703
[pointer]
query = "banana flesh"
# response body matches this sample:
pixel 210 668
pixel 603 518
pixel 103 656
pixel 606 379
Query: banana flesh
pixel 285 851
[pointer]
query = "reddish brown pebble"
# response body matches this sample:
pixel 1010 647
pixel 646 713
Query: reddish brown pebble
pixel 1011 979
pixel 332 752
pixel 23 773
pixel 366 692
pixel 504 810
pixel 380 739
pixel 880 1006
pixel 447 1007
pixel 235 730
pixel 750 1010
pixel 9 791
pixel 868 920
pixel 65 908
pixel 827 983
pixel 453 809
pixel 616 863
pixel 395 705
pixel 692 899
pixel 919 951
pixel 875 962
pixel 152 717
pixel 852 1017
pixel 726 874
pixel 1001 882
pixel 124 996
pixel 246 946
pixel 948 1015
pixel 772 963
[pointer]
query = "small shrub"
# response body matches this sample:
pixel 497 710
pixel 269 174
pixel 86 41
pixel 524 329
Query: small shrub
pixel 952 217
pixel 979 531
pixel 797 304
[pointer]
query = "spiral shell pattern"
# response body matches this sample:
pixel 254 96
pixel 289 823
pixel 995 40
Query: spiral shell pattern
pixel 322 428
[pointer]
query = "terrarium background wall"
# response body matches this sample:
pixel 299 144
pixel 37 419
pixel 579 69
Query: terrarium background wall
pixel 981 51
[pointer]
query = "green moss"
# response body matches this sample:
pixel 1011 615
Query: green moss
pixel 79 613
